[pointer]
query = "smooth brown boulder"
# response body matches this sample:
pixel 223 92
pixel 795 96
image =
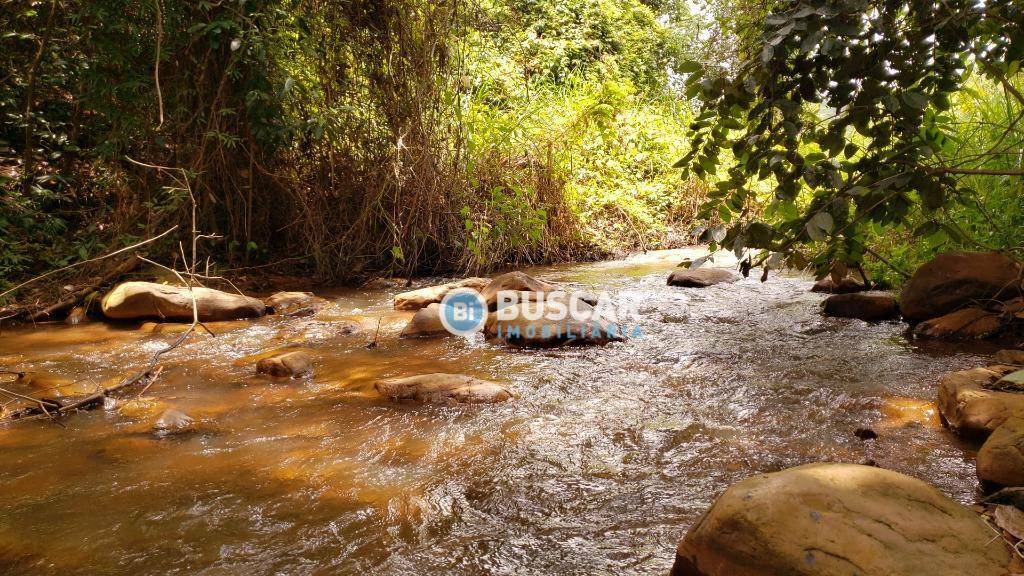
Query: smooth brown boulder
pixel 847 285
pixel 293 303
pixel 295 364
pixel 700 277
pixel 142 300
pixel 954 280
pixel 838 520
pixel 1001 458
pixel 971 404
pixel 514 282
pixel 443 389
pixel 966 324
pixel 423 297
pixel 869 306
pixel 425 323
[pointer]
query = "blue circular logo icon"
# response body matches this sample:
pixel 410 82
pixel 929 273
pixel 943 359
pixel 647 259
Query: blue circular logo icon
pixel 463 311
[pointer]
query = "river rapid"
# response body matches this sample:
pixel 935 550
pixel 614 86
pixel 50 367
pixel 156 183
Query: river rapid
pixel 601 463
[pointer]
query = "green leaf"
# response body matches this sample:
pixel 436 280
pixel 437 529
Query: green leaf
pixel 915 100
pixel 689 66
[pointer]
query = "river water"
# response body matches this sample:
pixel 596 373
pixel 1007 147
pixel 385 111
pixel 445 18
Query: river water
pixel 598 467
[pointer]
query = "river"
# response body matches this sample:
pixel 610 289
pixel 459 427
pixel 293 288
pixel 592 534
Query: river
pixel 599 465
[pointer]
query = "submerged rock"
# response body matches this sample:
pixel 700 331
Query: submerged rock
pixel 293 303
pixel 972 404
pixel 515 282
pixel 426 322
pixel 443 389
pixel 295 364
pixel 967 324
pixel 869 306
pixel 1001 458
pixel 49 386
pixel 954 280
pixel 139 408
pixel 847 285
pixel 320 330
pixel 173 422
pixel 701 277
pixel 838 520
pixel 141 300
pixel 423 297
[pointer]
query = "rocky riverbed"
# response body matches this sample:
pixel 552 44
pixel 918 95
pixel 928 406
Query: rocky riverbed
pixel 578 460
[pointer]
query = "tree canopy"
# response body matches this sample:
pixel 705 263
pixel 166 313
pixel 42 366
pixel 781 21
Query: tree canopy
pixel 844 113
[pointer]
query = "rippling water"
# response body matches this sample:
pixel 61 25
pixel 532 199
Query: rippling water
pixel 599 466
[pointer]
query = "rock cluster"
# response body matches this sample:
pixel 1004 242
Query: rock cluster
pixel 529 322
pixel 964 296
pixel 423 297
pixel 988 404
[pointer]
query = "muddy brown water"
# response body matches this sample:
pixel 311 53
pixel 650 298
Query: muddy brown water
pixel 599 466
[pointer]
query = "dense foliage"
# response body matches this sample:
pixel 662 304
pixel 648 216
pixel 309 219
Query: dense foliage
pixel 342 137
pixel 360 137
pixel 851 121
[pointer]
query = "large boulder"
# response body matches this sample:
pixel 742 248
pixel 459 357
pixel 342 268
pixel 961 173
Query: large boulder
pixel 965 324
pixel 954 280
pixel 973 403
pixel 1001 458
pixel 870 306
pixel 293 364
pixel 838 520
pixel 142 300
pixel 539 324
pixel 847 285
pixel 700 277
pixel 417 299
pixel 515 282
pixel 425 323
pixel 443 389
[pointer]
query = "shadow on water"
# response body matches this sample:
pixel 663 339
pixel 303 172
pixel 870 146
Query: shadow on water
pixel 601 463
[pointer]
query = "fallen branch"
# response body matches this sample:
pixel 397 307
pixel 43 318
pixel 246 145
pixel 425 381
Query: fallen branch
pixel 53 409
pixel 47 313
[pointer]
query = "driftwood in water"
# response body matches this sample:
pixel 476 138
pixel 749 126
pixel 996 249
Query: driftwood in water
pixel 53 408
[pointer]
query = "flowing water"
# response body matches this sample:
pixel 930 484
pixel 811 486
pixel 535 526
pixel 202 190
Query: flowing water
pixel 598 467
